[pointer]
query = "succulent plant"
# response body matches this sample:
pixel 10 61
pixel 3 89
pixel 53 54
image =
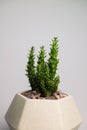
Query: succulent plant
pixel 43 77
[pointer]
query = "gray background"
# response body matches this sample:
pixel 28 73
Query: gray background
pixel 36 22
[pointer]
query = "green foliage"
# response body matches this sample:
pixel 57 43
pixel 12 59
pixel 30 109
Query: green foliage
pixel 43 77
pixel 53 61
pixel 31 69
pixel 40 71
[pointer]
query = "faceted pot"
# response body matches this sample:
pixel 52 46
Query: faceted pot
pixel 43 114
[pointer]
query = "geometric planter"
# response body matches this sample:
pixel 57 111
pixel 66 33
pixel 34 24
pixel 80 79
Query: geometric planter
pixel 38 114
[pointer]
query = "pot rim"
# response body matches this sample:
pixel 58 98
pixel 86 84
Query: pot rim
pixel 46 100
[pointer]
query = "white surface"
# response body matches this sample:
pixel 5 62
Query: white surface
pixel 36 22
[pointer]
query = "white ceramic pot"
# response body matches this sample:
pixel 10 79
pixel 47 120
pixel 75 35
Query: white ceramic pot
pixel 38 114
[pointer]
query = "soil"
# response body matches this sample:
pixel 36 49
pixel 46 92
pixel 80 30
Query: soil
pixel 34 95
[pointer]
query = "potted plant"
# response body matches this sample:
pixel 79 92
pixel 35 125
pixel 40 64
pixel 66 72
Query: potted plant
pixel 44 107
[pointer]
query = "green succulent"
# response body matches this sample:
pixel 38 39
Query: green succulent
pixel 43 77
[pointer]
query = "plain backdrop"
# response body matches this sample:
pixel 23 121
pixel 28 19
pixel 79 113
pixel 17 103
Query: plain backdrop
pixel 26 23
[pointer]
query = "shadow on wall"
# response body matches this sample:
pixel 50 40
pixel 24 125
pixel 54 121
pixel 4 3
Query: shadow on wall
pixel 5 127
